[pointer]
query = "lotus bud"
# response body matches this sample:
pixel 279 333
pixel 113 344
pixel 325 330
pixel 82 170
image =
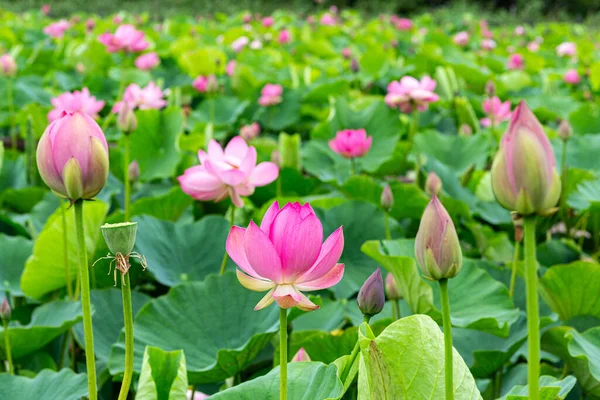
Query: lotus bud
pixel 490 88
pixel 8 64
pixel 433 184
pixel 289 150
pixel 524 176
pixel 72 157
pixel 564 130
pixel 276 158
pixel 354 66
pixel 134 171
pixel 126 120
pixel 301 355
pixel 120 238
pixel 465 130
pixel 387 198
pixel 391 288
pixel 371 297
pixel 437 248
pixel 5 310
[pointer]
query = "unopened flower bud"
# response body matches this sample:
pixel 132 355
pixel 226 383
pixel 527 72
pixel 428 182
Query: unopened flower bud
pixel 387 198
pixel 371 297
pixel 8 64
pixel 134 171
pixel 301 355
pixel 126 120
pixel 465 130
pixel 249 132
pixel 490 88
pixel 120 238
pixel 5 310
pixel 391 288
pixel 564 130
pixel 354 66
pixel 433 184
pixel 437 248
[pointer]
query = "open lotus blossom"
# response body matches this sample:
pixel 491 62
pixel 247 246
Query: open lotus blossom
pixel 351 143
pixel 566 49
pixel 205 84
pixel 572 77
pixel 75 101
pixel 57 29
pixel 496 111
pixel 327 19
pixel 286 256
pixel 150 97
pixel 126 38
pixel 488 44
pixel 270 95
pixel 147 61
pixel 284 37
pixel 410 93
pixel 8 64
pixel 232 172
pixel 268 21
pixel 238 44
pixel 461 38
pixel 515 61
pixel 403 24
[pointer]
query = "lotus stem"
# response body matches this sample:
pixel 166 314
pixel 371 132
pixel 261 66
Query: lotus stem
pixel 129 344
pixel 447 338
pixel 283 354
pixel 533 322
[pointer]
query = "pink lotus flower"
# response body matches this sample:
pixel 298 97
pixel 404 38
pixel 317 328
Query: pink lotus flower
pixel 403 24
pixel 117 19
pixel 410 93
pixel 461 38
pixel 351 143
pixel 238 44
pixel 519 30
pixel 268 21
pixel 566 49
pixel 301 356
pixel 230 173
pixel 230 68
pixel 150 97
pixel 284 37
pixel 247 18
pixel 81 101
pixel 147 61
pixel 90 24
pixel 45 9
pixel 126 38
pixel 346 52
pixel 488 44
pixel 249 132
pixel 57 29
pixel 496 111
pixel 9 65
pixel 286 256
pixel 205 84
pixel 327 19
pixel 515 61
pixel 270 95
pixel 572 77
pixel 533 47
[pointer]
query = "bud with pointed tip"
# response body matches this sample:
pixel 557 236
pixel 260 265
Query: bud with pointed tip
pixel 490 88
pixel 72 157
pixel 387 198
pixel 524 176
pixel 391 288
pixel 436 246
pixel 126 120
pixel 564 130
pixel 465 130
pixel 134 171
pixel 433 184
pixel 371 297
pixel 301 355
pixel 120 238
pixel 5 310
pixel 8 64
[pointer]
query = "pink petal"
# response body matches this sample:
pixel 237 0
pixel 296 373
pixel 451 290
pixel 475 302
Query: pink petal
pixel 236 198
pixel 248 162
pixel 256 285
pixel 235 248
pixel 286 296
pixel 300 248
pixel 264 173
pixel 306 305
pixel 215 151
pixel 237 147
pixel 261 254
pixel 270 215
pixel 331 251
pixel 328 280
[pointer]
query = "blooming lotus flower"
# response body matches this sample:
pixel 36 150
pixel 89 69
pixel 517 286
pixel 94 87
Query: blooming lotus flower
pixel 238 44
pixel 351 143
pixel 371 296
pixel 8 64
pixel 76 101
pixel 147 61
pixel 230 173
pixel 488 44
pixel 520 30
pixel 126 38
pixel 437 248
pixel 524 177
pixel 150 97
pixel 327 19
pixel 461 38
pixel 572 77
pixel 410 93
pixel 533 47
pixel 566 49
pixel 404 24
pixel 72 156
pixel 205 84
pixel 286 256
pixel 301 356
pixel 346 52
pixel 284 37
pixel 249 132
pixel 271 95
pixel 515 61
pixel 268 21
pixel 57 29
pixel 496 111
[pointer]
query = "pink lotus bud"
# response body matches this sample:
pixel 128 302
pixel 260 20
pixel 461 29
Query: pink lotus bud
pixel 466 130
pixel 524 177
pixel 247 18
pixel 268 22
pixel 572 77
pixel 371 296
pixel 205 84
pixel 72 157
pixel 346 52
pixel 564 130
pixel 519 30
pixel 387 198
pixel 516 61
pixel 230 68
pixel 433 184
pixel 9 66
pixel 301 355
pixel 249 132
pixel 351 143
pixel 284 37
pixel 490 88
pixel 354 66
pixel 147 61
pixel 391 288
pixel 276 158
pixel 90 24
pixel 271 95
pixel 436 246
pixel 461 38
pixel 5 310
pixel 134 171
pixel 488 44
pixel 126 120
pixel 45 9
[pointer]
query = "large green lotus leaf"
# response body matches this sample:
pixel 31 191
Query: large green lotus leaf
pixel 155 142
pixel 169 206
pixel 182 251
pixel 212 321
pixel 15 250
pixel 550 389
pixel 586 346
pixel 45 269
pixel 47 322
pixel 306 381
pixel 163 376
pixel 47 385
pixel 320 161
pixel 224 110
pixel 566 288
pixel 406 361
pixel 284 114
pixel 581 151
pixel 586 196
pixel 107 319
pixel 26 89
pixel 13 174
pixel 477 300
pixel 586 119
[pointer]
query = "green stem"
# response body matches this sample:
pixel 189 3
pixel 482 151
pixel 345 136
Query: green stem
pixel 226 256
pixel 11 112
pixel 128 317
pixel 513 275
pixel 352 166
pixel 563 199
pixel 30 146
pixel 533 323
pixel 396 305
pixel 86 303
pixel 126 179
pixel 367 319
pixel 283 354
pixel 394 311
pixel 63 350
pixel 11 369
pixel 66 252
pixel 388 235
pixel 447 338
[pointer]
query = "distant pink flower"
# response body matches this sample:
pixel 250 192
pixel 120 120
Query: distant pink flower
pixel 196 395
pixel 57 29
pixel 238 44
pixel 205 84
pixel 410 93
pixel 117 19
pixel 461 38
pixel 270 95
pixel 8 64
pixel 301 356
pixel 404 24
pixel 351 143
pixel 568 49
pixel 249 132
pixel 284 37
pixel 45 9
pixel 256 44
pixel 230 68
pixel 268 22
pixel 150 97
pixel 286 256
pixel 247 18
pixel 519 30
pixel 147 61
pixel 81 101
pixel 485 31
pixel 496 111
pixel 126 38
pixel 488 44
pixel 232 172
pixel 572 77
pixel 515 61
pixel 346 52
pixel 533 47
pixel 327 19
pixel 90 24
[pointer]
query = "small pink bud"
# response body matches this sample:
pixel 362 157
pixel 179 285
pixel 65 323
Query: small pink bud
pixel 126 120
pixel 9 66
pixel 490 88
pixel 391 288
pixel 371 297
pixel 276 158
pixel 301 355
pixel 433 184
pixel 465 130
pixel 5 310
pixel 387 198
pixel 564 130
pixel 134 171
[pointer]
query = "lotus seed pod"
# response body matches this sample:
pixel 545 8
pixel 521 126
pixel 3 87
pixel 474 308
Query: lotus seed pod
pixel 120 238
